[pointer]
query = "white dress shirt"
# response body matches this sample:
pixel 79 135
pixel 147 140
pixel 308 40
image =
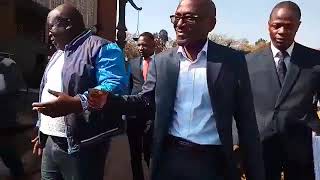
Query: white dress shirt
pixel 276 57
pixel 48 125
pixel 193 117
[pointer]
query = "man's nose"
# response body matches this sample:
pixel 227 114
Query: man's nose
pixel 141 48
pixel 180 22
pixel 282 30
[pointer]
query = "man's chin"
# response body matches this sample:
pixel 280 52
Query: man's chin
pixel 282 46
pixel 182 42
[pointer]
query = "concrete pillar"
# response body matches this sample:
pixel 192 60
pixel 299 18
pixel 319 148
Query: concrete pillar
pixel 106 19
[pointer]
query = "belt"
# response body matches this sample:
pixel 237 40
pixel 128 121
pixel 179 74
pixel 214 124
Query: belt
pixel 177 142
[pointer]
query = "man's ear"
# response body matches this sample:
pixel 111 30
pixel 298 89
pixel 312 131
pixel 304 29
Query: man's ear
pixel 212 24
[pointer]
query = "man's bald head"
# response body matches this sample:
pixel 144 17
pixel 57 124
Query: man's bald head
pixel 69 12
pixel 208 7
pixel 65 23
pixel 193 20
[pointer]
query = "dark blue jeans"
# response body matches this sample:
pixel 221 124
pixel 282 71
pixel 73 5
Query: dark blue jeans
pixel 87 164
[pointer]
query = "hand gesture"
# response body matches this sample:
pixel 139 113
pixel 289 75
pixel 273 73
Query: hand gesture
pixel 37 149
pixel 62 106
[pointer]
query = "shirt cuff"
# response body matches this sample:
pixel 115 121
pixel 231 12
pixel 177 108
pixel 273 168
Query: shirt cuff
pixel 84 101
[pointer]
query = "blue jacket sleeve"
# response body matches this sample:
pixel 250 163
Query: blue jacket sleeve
pixel 110 70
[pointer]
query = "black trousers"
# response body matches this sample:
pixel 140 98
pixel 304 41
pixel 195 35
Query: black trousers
pixel 280 155
pixel 10 156
pixel 140 145
pixel 186 163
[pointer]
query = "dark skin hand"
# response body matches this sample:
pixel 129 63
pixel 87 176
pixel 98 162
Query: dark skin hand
pixel 97 99
pixel 62 106
pixel 37 149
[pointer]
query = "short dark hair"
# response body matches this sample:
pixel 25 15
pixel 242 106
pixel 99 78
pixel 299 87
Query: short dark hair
pixel 147 34
pixel 289 5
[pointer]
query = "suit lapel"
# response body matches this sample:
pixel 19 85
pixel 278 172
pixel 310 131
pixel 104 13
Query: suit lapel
pixel 169 75
pixel 268 66
pixel 292 75
pixel 214 64
pixel 138 65
pixel 173 68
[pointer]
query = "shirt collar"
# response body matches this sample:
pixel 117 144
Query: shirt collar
pixel 79 39
pixel 203 51
pixel 275 50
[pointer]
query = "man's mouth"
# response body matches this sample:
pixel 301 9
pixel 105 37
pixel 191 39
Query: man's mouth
pixel 180 33
pixel 280 39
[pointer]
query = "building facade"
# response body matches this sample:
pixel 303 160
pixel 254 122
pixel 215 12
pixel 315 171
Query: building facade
pixel 24 32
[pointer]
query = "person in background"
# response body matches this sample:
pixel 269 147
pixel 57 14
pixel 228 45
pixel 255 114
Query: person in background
pixel 10 82
pixel 139 126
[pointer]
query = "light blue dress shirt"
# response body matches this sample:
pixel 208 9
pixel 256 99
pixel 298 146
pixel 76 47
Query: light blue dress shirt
pixel 194 117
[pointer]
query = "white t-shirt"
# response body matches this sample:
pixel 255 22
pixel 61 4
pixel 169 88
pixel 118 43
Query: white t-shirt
pixel 48 125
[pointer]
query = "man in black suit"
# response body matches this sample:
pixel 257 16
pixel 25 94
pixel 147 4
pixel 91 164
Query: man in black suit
pixel 139 126
pixel 196 89
pixel 284 78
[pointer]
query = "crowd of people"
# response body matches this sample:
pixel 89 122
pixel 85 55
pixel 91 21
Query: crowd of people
pixel 187 109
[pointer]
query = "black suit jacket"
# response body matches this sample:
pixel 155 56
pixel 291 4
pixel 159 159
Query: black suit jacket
pixel 230 94
pixel 136 83
pixel 136 78
pixel 289 110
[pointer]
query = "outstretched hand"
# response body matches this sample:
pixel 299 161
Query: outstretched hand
pixel 62 106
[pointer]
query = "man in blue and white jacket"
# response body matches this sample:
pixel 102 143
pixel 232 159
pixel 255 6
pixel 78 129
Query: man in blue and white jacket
pixel 82 61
